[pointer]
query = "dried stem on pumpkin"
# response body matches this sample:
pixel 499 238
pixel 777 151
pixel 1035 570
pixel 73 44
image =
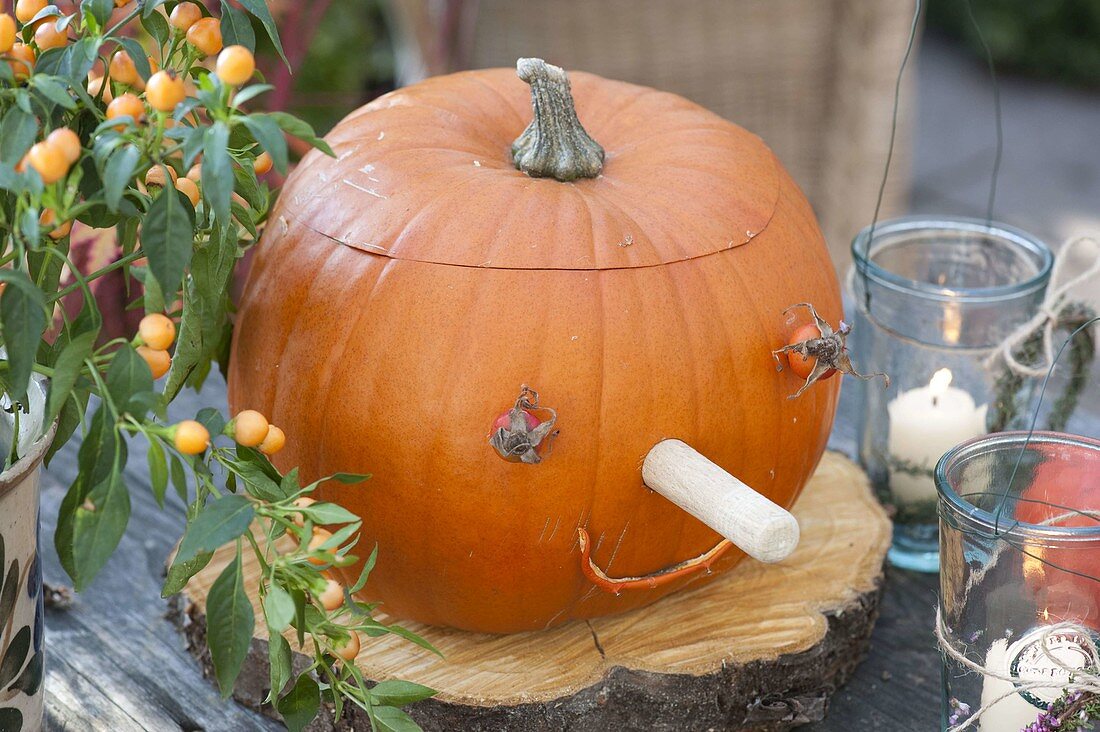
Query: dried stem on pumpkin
pixel 829 349
pixel 519 441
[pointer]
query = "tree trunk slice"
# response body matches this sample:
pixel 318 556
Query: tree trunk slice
pixel 761 648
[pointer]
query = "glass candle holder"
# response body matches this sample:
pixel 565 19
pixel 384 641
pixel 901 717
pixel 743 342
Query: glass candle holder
pixel 933 299
pixel 1019 604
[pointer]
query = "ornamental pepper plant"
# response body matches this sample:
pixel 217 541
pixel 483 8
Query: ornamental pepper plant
pixel 134 117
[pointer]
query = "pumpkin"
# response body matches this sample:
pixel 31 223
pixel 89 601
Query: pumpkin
pixel 633 271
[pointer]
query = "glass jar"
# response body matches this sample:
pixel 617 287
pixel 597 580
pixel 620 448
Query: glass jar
pixel 1019 596
pixel 933 298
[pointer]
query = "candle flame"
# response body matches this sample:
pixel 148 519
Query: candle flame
pixel 1046 614
pixel 939 383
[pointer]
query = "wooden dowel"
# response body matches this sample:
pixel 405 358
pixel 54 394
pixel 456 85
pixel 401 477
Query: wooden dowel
pixel 760 528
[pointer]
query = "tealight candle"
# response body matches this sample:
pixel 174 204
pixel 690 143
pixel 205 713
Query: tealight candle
pixel 924 424
pixel 1026 661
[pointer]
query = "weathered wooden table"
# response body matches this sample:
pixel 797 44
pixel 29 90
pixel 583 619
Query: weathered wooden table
pixel 115 663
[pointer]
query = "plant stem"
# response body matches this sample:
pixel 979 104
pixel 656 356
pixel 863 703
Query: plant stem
pixel 118 263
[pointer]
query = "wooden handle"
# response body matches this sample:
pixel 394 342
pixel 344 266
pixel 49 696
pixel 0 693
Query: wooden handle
pixel 757 526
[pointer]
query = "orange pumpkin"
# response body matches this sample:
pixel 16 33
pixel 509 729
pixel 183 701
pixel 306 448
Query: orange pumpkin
pixel 405 290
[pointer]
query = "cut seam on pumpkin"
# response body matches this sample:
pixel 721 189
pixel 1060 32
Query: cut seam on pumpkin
pixel 650 581
pixel 747 236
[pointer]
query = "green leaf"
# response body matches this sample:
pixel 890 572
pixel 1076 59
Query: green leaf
pixel 297 128
pixel 205 306
pixel 180 573
pixel 270 137
pixel 53 90
pixel 259 9
pixel 167 234
pixel 217 170
pixel 128 377
pixel 237 28
pixel 66 369
pixel 179 478
pixel 119 173
pixel 229 624
pixel 23 317
pixel 137 55
pixel 281 662
pixel 329 513
pixel 99 9
pixel 279 608
pixel 397 693
pixel 156 26
pixel 212 419
pixel 301 703
pixel 97 532
pixel 220 521
pixel 365 573
pixel 17 133
pixel 158 471
pixel 259 484
pixel 300 605
pixel 68 420
pixel 249 92
pixel 349 478
pixel 392 719
pixel 148 10
pixel 78 58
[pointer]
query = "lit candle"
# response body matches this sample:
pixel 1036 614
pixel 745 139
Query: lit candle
pixel 924 424
pixel 1026 661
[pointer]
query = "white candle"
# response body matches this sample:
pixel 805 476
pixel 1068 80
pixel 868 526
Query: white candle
pixel 924 424
pixel 1026 661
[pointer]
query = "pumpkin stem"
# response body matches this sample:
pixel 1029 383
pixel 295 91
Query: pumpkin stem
pixel 554 145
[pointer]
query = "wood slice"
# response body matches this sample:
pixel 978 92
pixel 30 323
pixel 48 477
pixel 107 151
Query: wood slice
pixel 761 648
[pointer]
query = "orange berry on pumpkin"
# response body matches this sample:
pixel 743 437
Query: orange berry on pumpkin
pixel 206 36
pixel 347 649
pixel 189 188
pixel 47 36
pixel 263 163
pixel 123 70
pixel 7 32
pixel 235 66
pixel 301 502
pixel 157 331
pixel 126 105
pixel 21 60
pixel 333 595
pixel 185 15
pixel 164 90
pixel 249 428
pixel 27 9
pixel 273 442
pixel 96 84
pixel 320 536
pixel 67 142
pixel 159 361
pixel 48 219
pixel 49 161
pixel 191 438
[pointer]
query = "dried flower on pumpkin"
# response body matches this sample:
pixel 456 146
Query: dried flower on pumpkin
pixel 518 433
pixel 829 350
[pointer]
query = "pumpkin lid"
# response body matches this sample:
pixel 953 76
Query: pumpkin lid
pixel 426 173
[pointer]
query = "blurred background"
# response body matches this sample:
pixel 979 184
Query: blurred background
pixel 814 79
